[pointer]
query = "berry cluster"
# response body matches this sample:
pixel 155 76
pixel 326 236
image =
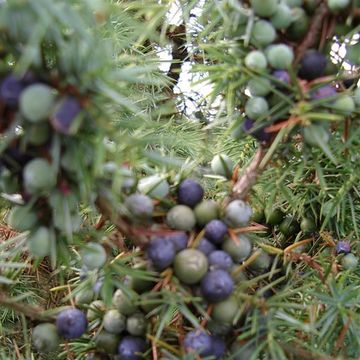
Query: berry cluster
pixel 276 48
pixel 40 122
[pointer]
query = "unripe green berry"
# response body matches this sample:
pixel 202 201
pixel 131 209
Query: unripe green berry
pixel 39 242
pixel 240 249
pixel 154 186
pixel 206 211
pixel 93 255
pixel 280 56
pixel 125 303
pixel 344 104
pixel 36 102
pixel 349 262
pixel 136 324
pixel 357 96
pixel 259 86
pixel 181 217
pixel 282 17
pixel 114 322
pixel 108 342
pixel 39 176
pixel 45 338
pixel 222 165
pixel 336 5
pixel 22 218
pixel 96 310
pixel 225 311
pixel 263 33
pixel 264 8
pixel 256 60
pixel 190 266
pixel 256 107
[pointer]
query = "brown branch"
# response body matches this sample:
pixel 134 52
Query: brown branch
pixel 30 311
pixel 249 176
pixel 301 353
pixel 314 29
pixel 340 341
pixel 179 53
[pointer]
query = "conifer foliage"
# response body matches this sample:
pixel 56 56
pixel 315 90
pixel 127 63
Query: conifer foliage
pixel 135 228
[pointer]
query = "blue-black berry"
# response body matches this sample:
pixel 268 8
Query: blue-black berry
pixel 259 134
pixel 282 75
pixel 343 247
pixel 65 114
pixel 71 323
pixel 130 348
pixel 324 92
pixel 178 238
pixel 215 231
pixel 217 285
pixel 199 342
pixel 220 260
pixel 190 192
pixel 10 90
pixel 219 347
pixel 205 246
pixel 312 65
pixel 161 252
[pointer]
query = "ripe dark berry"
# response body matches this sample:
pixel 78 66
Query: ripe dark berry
pixel 282 75
pixel 15 155
pixel 66 112
pixel 205 246
pixel 215 231
pixel 130 348
pixel 312 65
pixel 259 134
pixel 323 92
pixel 10 90
pixel 219 347
pixel 71 323
pixel 161 252
pixel 220 260
pixel 217 285
pixel 199 342
pixel 179 239
pixel 190 192
pixel 343 247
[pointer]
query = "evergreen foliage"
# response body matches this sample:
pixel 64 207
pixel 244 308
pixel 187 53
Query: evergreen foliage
pixel 98 134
